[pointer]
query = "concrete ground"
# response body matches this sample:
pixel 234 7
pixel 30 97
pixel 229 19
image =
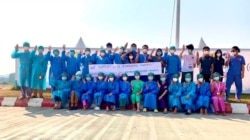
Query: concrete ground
pixel 46 123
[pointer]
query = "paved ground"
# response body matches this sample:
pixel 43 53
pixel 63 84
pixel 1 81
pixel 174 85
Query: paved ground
pixel 46 123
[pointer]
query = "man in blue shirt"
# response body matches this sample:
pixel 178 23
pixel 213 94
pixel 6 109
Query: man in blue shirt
pixel 235 72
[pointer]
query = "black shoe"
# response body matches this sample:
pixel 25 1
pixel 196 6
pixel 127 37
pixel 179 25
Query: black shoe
pixel 71 108
pixel 187 113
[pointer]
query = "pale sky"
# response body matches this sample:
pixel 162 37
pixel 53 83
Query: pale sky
pixel 221 23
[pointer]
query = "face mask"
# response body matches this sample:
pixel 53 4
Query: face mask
pixel 145 50
pixel 189 51
pixel 40 50
pixel 159 53
pixel 64 78
pixel 133 49
pixel 88 78
pixel 200 79
pixel 78 78
pixel 87 53
pixel 233 53
pixel 56 53
pixel 175 79
pixel 150 78
pixel 71 54
pixel 124 78
pixel 163 79
pixel 102 54
pixel 218 54
pixel 109 49
pixel 206 52
pixel 172 51
pixel 26 48
pixel 216 78
pixel 187 79
pixel 111 79
pixel 137 77
pixel 131 57
pixel 120 51
pixel 100 77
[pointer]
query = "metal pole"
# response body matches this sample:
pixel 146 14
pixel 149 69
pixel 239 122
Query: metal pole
pixel 177 32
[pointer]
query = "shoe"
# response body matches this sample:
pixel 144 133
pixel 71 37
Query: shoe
pixel 187 113
pixel 144 109
pixel 71 108
pixel 155 111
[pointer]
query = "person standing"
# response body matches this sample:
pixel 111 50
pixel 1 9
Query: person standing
pixel 24 71
pixel 39 69
pixel 219 63
pixel 189 62
pixel 236 72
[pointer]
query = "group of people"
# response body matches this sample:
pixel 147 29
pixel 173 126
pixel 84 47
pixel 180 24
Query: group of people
pixel 70 79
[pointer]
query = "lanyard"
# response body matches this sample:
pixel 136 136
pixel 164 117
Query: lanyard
pixel 218 87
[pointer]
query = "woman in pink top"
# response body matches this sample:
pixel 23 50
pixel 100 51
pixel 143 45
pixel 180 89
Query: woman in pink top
pixel 218 89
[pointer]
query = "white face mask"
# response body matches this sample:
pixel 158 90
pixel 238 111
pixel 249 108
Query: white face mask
pixel 206 52
pixel 124 78
pixel 131 57
pixel 233 53
pixel 26 48
pixel 137 77
pixel 200 79
pixel 102 54
pixel 218 54
pixel 145 50
pixel 100 77
pixel 87 53
pixel 216 78
pixel 175 79
pixel 111 79
pixel 109 49
pixel 172 51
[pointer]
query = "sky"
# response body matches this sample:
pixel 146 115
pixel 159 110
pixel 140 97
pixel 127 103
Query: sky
pixel 221 23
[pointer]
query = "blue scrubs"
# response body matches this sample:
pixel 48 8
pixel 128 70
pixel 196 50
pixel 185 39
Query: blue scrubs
pixel 62 91
pixel 101 60
pixel 24 71
pixel 188 89
pixel 57 67
pixel 150 94
pixel 174 91
pixel 72 64
pixel 85 60
pixel 203 96
pixel 89 87
pixel 173 66
pixel 113 87
pixel 78 88
pixel 143 58
pixel 125 90
pixel 101 89
pixel 234 75
pixel 118 60
pixel 39 68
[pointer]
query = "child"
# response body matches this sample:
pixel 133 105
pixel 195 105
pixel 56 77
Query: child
pixel 101 89
pixel 112 91
pixel 61 93
pixel 218 92
pixel 203 93
pixel 77 88
pixel 175 89
pixel 125 90
pixel 188 94
pixel 137 86
pixel 89 87
pixel 163 91
pixel 150 91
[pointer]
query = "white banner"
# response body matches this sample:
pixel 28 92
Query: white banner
pixel 143 68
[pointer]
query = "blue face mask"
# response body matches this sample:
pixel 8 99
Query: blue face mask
pixel 187 79
pixel 159 53
pixel 40 50
pixel 72 54
pixel 150 78
pixel 78 78
pixel 56 53
pixel 64 78
pixel 163 79
pixel 88 78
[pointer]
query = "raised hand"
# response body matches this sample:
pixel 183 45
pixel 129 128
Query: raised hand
pixel 64 47
pixel 138 50
pixel 35 48
pixel 166 49
pixel 153 50
pixel 183 47
pixel 49 48
pixel 16 47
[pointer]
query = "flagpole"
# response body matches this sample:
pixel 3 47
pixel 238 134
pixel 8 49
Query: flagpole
pixel 177 32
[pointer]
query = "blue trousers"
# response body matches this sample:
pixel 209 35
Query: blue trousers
pixel 238 83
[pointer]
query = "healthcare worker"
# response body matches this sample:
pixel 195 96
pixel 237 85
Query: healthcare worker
pixel 85 60
pixel 175 89
pixel 112 92
pixel 89 88
pixel 62 90
pixel 150 91
pixel 39 69
pixel 163 94
pixel 203 95
pixel 236 72
pixel 188 94
pixel 24 71
pixel 120 57
pixel 137 87
pixel 102 58
pixel 125 90
pixel 100 90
